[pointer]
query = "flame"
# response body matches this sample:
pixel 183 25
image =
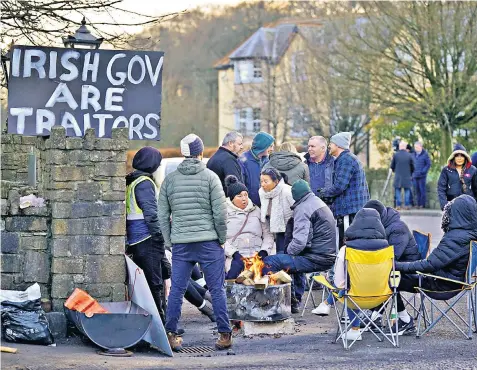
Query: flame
pixel 271 279
pixel 256 265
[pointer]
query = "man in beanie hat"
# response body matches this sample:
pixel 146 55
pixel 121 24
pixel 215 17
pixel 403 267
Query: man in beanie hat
pixel 192 214
pixel 252 162
pixel 349 192
pixel 311 246
pixel 144 237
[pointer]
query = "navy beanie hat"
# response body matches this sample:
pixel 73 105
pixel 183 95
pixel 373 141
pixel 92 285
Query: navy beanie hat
pixel 147 159
pixel 234 186
pixel 261 142
pixel 299 189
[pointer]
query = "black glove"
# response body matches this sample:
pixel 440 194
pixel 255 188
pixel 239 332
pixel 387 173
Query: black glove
pixel 165 268
pixel 236 267
pixel 262 254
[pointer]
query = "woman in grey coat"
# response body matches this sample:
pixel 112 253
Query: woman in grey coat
pixel 287 160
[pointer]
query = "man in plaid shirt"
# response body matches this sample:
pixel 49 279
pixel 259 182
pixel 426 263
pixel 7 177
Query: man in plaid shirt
pixel 349 192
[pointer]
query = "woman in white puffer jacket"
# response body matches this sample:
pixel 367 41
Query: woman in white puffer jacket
pixel 246 233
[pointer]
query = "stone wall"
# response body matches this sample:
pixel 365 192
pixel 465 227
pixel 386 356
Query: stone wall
pixel 78 239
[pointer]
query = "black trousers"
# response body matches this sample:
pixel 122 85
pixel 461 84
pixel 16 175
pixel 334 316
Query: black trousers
pixel 194 293
pixel 148 256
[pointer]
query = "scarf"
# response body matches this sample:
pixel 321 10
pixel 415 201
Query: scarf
pixel 277 219
pixel 446 212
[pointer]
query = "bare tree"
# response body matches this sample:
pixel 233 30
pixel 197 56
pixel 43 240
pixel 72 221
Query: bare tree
pixel 44 22
pixel 421 58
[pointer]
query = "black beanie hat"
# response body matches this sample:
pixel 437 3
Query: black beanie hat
pixel 147 159
pixel 234 187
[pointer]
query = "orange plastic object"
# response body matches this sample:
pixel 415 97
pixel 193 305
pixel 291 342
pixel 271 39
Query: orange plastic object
pixel 81 301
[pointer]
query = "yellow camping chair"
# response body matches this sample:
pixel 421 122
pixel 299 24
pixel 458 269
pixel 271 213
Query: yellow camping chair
pixel 467 289
pixel 372 281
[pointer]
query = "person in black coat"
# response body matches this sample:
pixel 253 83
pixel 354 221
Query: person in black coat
pixel 451 257
pixel 397 233
pixel 458 177
pixel 403 167
pixel 144 236
pixel 225 160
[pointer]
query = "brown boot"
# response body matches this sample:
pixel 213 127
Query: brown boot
pixel 174 341
pixel 224 341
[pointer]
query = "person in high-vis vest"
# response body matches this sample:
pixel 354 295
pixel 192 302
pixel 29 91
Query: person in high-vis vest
pixel 144 237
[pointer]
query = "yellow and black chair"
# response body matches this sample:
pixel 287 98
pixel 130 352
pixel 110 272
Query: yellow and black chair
pixel 372 281
pixel 467 289
pixel 423 241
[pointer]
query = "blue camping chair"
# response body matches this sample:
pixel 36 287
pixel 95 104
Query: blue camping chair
pixel 467 289
pixel 423 241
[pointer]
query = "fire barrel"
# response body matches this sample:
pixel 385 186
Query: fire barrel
pixel 247 303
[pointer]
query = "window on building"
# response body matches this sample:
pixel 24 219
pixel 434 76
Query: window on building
pixel 257 69
pixel 248 71
pixel 257 119
pixel 248 120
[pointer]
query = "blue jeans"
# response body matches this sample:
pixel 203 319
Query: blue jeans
pixel 280 242
pixel 407 197
pixel 420 186
pixel 353 317
pixel 295 265
pixel 210 255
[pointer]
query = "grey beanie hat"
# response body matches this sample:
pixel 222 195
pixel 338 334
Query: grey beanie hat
pixel 342 139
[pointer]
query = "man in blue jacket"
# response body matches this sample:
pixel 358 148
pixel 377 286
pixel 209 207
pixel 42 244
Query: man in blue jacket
pixel 144 235
pixel 320 163
pixel 252 162
pixel 422 164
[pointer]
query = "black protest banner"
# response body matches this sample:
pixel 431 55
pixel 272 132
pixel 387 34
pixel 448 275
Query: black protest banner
pixel 79 89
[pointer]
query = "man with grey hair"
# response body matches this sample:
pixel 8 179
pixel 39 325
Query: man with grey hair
pixel 225 161
pixel 422 164
pixel 320 163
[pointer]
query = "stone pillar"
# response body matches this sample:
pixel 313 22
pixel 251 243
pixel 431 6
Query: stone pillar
pixel 83 180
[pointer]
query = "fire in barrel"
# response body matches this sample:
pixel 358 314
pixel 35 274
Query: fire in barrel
pixel 254 296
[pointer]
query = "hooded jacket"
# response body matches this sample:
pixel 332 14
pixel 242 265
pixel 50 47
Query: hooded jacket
pixel 251 169
pixel 290 164
pixel 450 258
pixel 255 235
pixel 449 185
pixel 366 232
pixel 194 197
pixel 397 233
pixel 314 232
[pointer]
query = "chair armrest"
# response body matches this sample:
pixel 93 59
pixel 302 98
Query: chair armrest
pixel 322 280
pixel 445 279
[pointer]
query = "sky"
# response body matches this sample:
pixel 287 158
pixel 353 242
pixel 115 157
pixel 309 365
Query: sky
pixel 169 6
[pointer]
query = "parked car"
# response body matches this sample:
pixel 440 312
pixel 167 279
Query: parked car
pixel 169 165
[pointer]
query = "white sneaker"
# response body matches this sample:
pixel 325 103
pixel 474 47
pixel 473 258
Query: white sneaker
pixel 322 310
pixel 353 335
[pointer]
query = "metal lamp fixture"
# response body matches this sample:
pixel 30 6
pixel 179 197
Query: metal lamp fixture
pixel 82 38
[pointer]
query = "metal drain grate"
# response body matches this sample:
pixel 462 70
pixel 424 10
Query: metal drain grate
pixel 196 350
